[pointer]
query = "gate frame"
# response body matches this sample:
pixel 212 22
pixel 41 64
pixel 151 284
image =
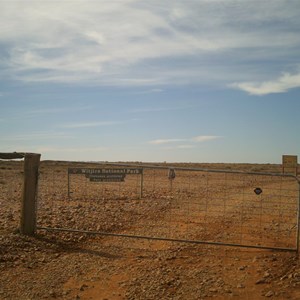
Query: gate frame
pixel 297 250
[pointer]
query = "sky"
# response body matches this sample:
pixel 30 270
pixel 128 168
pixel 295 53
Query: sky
pixel 135 80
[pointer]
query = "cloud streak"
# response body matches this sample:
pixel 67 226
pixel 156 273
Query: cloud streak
pixel 284 83
pixel 137 43
pixel 57 110
pixel 44 111
pixel 196 139
pixel 161 109
pixel 165 141
pixel 204 138
pixel 89 124
pixel 49 149
pixel 36 136
pixel 185 146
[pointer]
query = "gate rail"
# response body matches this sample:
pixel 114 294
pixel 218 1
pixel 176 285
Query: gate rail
pixel 185 199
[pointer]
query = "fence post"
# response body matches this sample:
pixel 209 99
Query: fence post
pixel 68 184
pixel 142 184
pixel 298 218
pixel 28 210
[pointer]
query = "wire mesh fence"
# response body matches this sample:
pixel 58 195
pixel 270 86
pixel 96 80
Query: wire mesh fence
pixel 11 186
pixel 194 205
pixel 207 206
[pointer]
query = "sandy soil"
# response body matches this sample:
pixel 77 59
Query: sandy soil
pixel 201 206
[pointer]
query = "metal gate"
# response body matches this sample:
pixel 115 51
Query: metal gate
pixel 230 208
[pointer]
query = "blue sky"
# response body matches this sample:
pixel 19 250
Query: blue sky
pixel 175 81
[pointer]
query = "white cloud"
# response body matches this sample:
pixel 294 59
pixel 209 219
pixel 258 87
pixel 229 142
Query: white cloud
pixel 36 136
pixel 147 110
pixel 196 139
pixel 205 138
pixel 280 85
pixel 138 42
pixel 151 91
pixel 57 110
pixel 46 149
pixel 185 146
pixel 28 114
pixel 165 141
pixel 161 109
pixel 90 124
pixel 65 152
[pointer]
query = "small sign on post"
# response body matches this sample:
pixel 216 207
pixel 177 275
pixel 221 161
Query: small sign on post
pixel 171 176
pixel 290 164
pixel 258 191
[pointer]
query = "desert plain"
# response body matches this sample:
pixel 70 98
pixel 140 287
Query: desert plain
pixel 160 238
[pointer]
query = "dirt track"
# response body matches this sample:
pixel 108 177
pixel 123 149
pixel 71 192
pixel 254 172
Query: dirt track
pixel 77 266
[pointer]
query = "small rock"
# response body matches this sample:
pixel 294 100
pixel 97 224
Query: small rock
pixel 43 260
pixel 267 274
pixel 52 293
pixel 269 294
pixel 284 277
pixel 240 286
pixel 274 258
pixel 65 293
pixel 83 287
pixel 260 281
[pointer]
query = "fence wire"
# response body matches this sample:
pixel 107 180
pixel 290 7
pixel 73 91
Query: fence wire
pixel 205 206
pixel 11 188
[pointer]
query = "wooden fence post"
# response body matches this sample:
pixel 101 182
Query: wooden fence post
pixel 28 210
pixel 142 184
